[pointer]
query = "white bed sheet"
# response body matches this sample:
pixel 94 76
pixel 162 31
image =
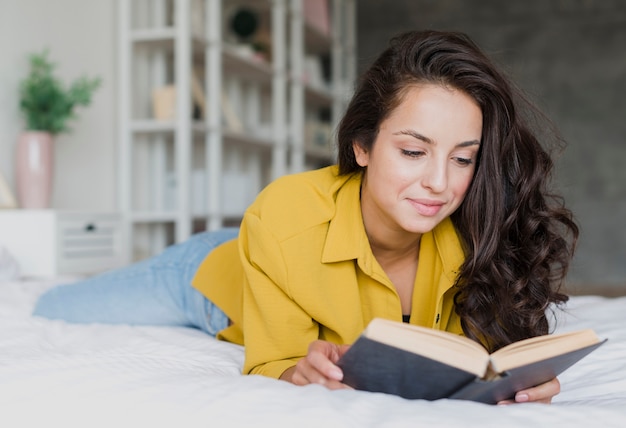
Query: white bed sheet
pixel 57 374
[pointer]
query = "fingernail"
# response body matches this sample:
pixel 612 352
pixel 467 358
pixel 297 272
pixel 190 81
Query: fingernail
pixel 521 398
pixel 336 374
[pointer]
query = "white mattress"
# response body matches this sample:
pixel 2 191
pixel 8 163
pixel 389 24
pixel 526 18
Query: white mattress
pixel 55 374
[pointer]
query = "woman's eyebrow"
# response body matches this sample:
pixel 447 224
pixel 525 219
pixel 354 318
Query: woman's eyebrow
pixel 469 143
pixel 418 136
pixel 414 134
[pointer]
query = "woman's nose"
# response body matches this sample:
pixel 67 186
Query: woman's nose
pixel 436 177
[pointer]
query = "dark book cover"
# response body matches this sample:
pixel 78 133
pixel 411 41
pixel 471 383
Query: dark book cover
pixel 373 366
pixel 505 387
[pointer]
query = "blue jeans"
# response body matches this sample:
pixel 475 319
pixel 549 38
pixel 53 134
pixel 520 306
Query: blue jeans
pixel 156 291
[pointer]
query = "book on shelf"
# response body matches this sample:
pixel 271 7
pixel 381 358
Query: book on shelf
pixel 231 119
pixel 422 363
pixel 164 103
pixel 164 100
pixel 197 93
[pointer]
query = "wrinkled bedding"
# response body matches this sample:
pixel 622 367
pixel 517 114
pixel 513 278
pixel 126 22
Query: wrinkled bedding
pixel 58 374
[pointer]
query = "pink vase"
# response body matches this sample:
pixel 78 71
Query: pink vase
pixel 33 169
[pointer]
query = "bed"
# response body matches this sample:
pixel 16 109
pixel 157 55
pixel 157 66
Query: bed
pixel 58 374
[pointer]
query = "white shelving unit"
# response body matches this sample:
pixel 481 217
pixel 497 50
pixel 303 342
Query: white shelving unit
pixel 319 101
pixel 235 118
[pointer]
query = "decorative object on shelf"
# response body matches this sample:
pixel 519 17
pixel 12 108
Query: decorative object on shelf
pixel 47 106
pixel 7 199
pixel 230 117
pixel 164 100
pixel 246 30
pixel 244 23
pixel 164 103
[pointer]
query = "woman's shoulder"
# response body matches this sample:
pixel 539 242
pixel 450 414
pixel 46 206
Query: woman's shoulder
pixel 299 200
pixel 322 178
pixel 303 187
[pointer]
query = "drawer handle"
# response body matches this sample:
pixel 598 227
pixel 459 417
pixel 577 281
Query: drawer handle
pixel 90 227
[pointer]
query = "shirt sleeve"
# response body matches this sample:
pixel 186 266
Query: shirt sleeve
pixel 277 330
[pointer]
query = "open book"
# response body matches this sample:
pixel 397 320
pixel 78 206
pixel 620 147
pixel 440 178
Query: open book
pixel 418 362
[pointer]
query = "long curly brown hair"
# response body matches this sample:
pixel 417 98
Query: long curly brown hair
pixel 518 236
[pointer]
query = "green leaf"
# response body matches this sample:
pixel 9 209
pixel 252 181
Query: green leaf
pixel 46 103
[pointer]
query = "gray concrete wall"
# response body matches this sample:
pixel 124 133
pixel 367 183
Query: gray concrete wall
pixel 570 57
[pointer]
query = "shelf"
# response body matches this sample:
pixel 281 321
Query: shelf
pixel 163 37
pixel 320 153
pixel 148 126
pixel 229 217
pixel 247 139
pixel 321 97
pixel 160 35
pixel 153 217
pixel 151 126
pixel 239 61
pixel 183 175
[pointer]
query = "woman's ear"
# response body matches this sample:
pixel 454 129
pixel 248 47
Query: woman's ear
pixel 360 154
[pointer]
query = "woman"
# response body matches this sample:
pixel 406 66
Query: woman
pixel 437 214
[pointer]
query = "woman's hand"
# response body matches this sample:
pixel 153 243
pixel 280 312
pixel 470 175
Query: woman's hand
pixel 539 394
pixel 319 366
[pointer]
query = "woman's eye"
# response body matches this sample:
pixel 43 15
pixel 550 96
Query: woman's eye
pixel 412 153
pixel 464 161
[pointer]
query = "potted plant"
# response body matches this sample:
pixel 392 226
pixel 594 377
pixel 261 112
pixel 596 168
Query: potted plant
pixel 47 106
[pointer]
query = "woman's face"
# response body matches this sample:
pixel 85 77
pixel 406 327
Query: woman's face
pixel 422 161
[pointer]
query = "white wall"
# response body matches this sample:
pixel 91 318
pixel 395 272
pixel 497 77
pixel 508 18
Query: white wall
pixel 81 36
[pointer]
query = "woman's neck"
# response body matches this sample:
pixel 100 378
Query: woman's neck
pixel 395 249
pixel 390 243
pixel 398 257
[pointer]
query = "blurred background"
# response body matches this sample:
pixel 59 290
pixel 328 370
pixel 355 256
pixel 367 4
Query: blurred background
pixel 568 55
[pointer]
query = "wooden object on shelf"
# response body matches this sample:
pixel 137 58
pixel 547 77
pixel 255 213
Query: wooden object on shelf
pixel 164 100
pixel 164 103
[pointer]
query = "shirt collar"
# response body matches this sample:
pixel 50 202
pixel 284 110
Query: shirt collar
pixel 347 240
pixel 346 232
pixel 449 248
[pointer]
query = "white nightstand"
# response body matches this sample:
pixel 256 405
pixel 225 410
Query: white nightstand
pixel 48 243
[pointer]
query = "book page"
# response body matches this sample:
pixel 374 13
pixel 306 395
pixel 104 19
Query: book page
pixel 454 350
pixel 540 348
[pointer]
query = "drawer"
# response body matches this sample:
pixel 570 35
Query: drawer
pixel 88 243
pixel 48 243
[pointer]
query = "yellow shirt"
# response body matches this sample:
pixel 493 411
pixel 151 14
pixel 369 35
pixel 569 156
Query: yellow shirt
pixel 308 273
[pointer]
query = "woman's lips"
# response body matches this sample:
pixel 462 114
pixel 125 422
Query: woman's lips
pixel 427 208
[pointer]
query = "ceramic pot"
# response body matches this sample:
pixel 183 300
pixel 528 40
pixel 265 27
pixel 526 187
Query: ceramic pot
pixel 34 160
